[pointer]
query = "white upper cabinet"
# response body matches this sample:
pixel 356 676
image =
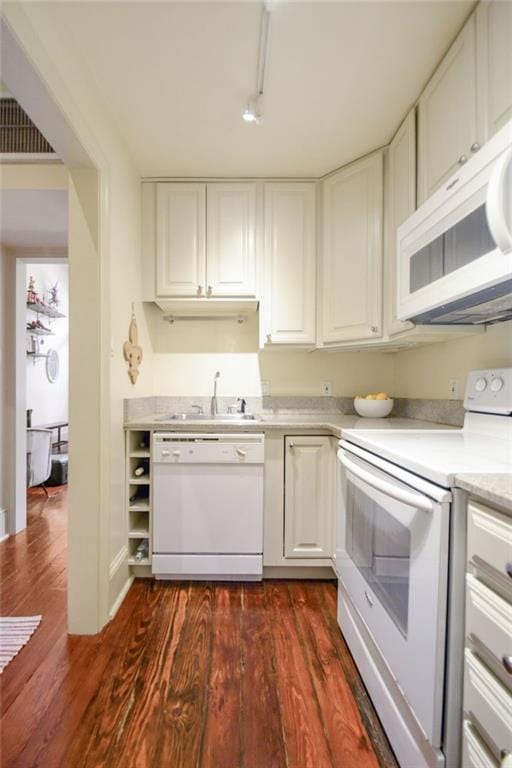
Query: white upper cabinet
pixel 448 127
pixel 351 288
pixel 289 307
pixel 400 203
pixel 180 239
pixel 231 239
pixel 494 56
pixel 205 239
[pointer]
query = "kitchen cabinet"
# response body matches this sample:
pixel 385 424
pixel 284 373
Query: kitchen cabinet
pixel 180 239
pixel 494 64
pixel 309 499
pixel 289 305
pixel 487 728
pixel 351 264
pixel 399 204
pixel 448 127
pixel 205 242
pixel 231 239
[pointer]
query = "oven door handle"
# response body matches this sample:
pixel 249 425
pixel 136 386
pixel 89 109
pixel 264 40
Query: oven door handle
pixel 406 497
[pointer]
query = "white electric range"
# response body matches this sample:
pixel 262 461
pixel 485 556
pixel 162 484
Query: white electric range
pixel 400 559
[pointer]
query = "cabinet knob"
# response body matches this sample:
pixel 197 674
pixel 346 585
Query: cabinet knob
pixel 292 445
pixel 475 147
pixel 199 290
pixel 374 329
pixel 507 663
pixel 506 758
pixel 269 338
pixel 508 569
pixel 209 290
pixel 462 159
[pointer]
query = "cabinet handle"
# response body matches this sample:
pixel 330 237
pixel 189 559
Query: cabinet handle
pixel 199 290
pixel 475 147
pixel 506 758
pixel 269 338
pixel 507 663
pixel 368 599
pixel 209 290
pixel 241 452
pixel 462 159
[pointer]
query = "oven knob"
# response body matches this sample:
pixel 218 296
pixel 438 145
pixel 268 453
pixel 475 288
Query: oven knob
pixel 480 384
pixel 497 384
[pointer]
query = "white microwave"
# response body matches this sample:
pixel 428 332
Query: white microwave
pixel 455 251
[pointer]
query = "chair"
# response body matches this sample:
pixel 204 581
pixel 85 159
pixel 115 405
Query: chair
pixel 39 457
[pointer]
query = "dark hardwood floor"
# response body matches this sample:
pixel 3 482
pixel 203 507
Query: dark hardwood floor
pixel 187 674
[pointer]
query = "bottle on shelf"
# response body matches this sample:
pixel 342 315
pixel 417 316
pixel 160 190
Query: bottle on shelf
pixel 142 551
pixel 140 470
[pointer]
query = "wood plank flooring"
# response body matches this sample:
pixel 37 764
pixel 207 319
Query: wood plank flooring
pixel 206 675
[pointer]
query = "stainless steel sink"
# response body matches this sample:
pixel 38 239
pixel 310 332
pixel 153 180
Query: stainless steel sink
pixel 207 417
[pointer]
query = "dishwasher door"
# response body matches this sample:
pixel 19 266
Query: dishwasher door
pixel 208 506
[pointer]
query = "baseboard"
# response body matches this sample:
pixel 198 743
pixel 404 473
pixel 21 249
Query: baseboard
pixel 298 572
pixel 121 596
pixel 120 580
pixel 3 525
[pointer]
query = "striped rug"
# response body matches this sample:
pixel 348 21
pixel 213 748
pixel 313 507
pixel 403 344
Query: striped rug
pixel 15 632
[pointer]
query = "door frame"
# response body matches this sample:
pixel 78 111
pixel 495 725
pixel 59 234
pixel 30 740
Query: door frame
pixel 29 74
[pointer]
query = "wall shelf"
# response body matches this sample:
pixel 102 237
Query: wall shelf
pixel 40 332
pixel 43 309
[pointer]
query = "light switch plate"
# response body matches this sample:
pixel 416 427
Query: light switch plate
pixel 453 388
pixel 326 388
pixel 265 387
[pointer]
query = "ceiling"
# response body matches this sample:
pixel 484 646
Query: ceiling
pixel 34 218
pixel 175 77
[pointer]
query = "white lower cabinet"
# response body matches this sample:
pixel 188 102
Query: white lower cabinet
pixel 289 304
pixel 487 730
pixel 351 264
pixel 309 497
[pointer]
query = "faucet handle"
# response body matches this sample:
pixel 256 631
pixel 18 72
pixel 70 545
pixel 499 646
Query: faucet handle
pixel 198 407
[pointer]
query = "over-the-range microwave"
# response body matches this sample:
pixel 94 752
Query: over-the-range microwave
pixel 455 251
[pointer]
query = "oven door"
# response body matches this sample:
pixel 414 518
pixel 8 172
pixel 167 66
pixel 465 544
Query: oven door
pixel 392 558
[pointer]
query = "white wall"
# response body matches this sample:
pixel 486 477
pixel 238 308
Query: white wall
pixel 187 354
pixel 425 371
pixel 49 401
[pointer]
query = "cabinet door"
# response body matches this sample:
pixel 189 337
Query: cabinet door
pixel 448 114
pixel 494 57
pixel 290 263
pixel 399 204
pixel 231 239
pixel 352 252
pixel 180 239
pixel 309 497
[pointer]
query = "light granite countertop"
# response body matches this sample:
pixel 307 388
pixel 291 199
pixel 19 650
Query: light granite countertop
pixel 334 423
pixel 496 489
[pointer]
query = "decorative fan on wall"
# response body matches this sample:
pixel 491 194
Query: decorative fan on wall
pixel 52 365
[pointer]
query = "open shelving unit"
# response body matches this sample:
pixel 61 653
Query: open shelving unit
pixel 138 497
pixel 50 312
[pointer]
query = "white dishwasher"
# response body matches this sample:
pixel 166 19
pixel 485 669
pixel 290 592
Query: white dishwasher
pixel 208 506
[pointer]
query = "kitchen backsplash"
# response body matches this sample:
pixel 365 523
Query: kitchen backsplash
pixel 438 411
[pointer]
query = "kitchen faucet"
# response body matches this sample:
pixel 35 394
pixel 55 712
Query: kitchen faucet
pixel 214 407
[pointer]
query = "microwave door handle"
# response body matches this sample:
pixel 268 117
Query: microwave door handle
pixel 498 200
pixel 406 497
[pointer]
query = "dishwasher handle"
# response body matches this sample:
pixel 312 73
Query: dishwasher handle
pixel 399 494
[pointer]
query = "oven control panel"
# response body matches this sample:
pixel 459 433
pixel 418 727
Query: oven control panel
pixel 489 391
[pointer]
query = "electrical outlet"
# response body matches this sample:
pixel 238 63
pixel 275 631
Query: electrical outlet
pixel 453 387
pixel 326 388
pixel 265 387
